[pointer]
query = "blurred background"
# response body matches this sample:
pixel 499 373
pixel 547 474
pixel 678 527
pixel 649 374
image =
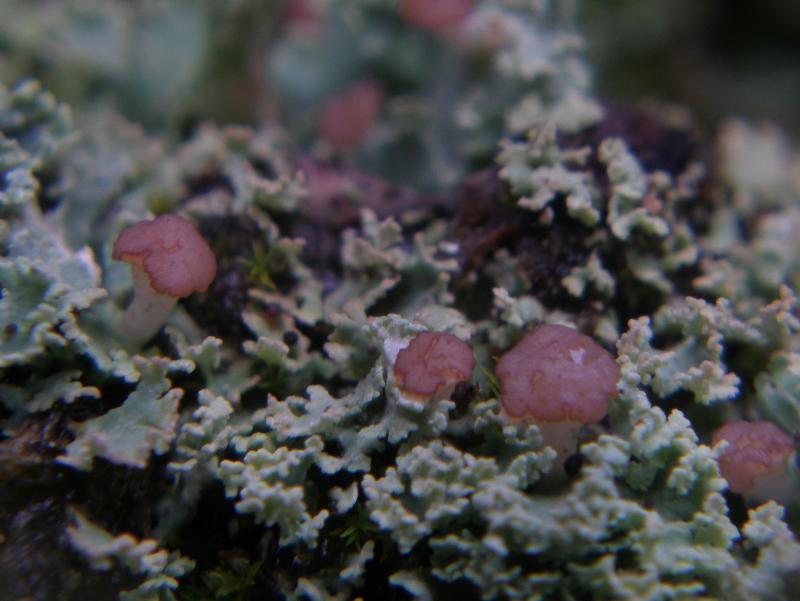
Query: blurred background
pixel 170 65
pixel 719 57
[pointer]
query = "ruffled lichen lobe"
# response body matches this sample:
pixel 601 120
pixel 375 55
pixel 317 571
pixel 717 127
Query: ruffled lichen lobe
pixel 432 364
pixel 756 460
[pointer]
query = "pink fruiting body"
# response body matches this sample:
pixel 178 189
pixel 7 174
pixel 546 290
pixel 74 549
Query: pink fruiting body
pixel 348 116
pixel 435 14
pixel 297 11
pixel 169 260
pixel 556 373
pixel 755 460
pixel 558 379
pixel 432 364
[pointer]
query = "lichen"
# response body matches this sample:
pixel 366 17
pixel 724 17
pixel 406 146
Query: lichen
pixel 161 570
pixel 265 433
pixel 144 423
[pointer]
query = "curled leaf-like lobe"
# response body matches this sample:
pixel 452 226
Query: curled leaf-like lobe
pixel 171 252
pixel 557 374
pixel 432 364
pixel 756 452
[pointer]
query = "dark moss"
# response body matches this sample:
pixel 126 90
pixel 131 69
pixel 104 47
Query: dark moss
pixel 236 240
pixel 487 221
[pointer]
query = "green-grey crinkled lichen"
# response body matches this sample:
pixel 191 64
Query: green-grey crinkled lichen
pixel 259 445
pixel 35 120
pixel 19 185
pixel 144 423
pixel 778 390
pixel 160 569
pixel 539 171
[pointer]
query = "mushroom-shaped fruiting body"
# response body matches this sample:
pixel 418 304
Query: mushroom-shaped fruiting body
pixel 435 14
pixel 560 380
pixel 169 260
pixel 432 364
pixel 348 116
pixel 756 461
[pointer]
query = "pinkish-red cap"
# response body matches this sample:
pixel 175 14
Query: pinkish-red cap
pixel 172 253
pixel 348 116
pixel 432 363
pixel 300 10
pixel 754 448
pixel 435 14
pixel 557 374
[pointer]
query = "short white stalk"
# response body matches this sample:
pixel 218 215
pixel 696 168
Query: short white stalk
pixel 148 310
pixel 562 437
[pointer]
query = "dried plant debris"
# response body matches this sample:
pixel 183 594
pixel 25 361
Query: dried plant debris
pixel 410 193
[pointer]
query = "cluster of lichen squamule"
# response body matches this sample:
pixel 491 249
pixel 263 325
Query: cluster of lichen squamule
pixel 427 226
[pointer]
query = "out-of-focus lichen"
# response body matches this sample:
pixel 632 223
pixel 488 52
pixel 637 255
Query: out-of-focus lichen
pixel 44 282
pixel 19 184
pixel 759 266
pixel 636 216
pixel 36 120
pixel 650 205
pixel 538 53
pixel 751 245
pixel 113 157
pixel 160 569
pixel 759 166
pixel 147 62
pixel 778 391
pixel 592 274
